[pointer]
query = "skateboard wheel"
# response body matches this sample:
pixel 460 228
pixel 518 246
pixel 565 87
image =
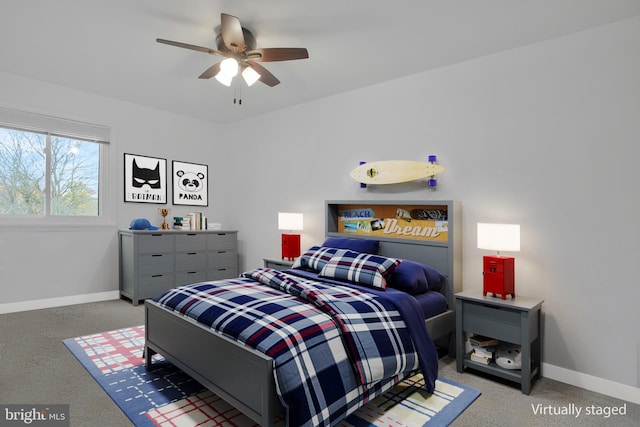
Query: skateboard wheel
pixel 433 182
pixel 433 158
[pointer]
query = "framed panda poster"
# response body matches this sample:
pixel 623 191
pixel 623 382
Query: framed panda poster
pixel 145 179
pixel 190 184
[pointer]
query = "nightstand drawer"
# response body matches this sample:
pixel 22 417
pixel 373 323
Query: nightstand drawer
pixel 500 323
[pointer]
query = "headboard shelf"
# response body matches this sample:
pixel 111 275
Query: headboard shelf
pixel 427 231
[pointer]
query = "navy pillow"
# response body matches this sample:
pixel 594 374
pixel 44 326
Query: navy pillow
pixel 415 278
pixel 356 245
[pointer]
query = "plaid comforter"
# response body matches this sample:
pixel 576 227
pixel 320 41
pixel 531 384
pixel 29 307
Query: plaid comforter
pixel 331 355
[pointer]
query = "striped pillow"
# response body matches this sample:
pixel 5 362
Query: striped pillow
pixel 363 269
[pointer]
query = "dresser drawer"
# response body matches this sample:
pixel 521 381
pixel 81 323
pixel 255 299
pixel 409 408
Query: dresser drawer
pixel 496 322
pixel 222 259
pixel 156 242
pixel 188 277
pixel 222 272
pixel 189 261
pixel 218 241
pixel 191 242
pixel 161 260
pixel 154 289
pixel 156 279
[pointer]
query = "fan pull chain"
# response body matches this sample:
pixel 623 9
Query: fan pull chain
pixel 237 94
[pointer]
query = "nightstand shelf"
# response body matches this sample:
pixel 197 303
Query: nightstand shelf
pixel 492 368
pixel 514 321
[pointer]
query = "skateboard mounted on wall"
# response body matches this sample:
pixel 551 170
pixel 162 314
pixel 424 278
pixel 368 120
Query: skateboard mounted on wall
pixel 396 171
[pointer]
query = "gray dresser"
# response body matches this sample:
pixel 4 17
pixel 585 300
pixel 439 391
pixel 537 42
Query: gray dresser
pixel 153 261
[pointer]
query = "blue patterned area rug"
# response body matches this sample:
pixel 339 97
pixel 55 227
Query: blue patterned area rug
pixel 168 397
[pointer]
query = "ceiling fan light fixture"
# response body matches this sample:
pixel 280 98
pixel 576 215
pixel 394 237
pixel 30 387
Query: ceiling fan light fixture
pixel 229 67
pixel 250 76
pixel 223 78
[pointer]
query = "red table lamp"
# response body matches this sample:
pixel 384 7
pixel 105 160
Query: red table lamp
pixel 290 242
pixel 499 271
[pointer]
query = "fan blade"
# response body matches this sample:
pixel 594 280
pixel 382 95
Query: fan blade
pixel 210 72
pixel 231 31
pixel 265 75
pixel 274 54
pixel 190 46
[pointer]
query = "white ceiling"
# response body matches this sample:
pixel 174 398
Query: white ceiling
pixel 108 47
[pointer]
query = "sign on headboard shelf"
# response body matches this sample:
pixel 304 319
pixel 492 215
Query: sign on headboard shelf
pixel 420 222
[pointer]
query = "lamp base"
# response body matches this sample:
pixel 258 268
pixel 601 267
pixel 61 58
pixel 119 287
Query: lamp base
pixel 290 246
pixel 498 276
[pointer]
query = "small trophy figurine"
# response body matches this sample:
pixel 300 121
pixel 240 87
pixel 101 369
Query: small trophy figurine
pixel 164 212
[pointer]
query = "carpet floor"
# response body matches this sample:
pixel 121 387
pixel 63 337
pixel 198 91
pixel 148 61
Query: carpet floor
pixel 167 396
pixel 36 367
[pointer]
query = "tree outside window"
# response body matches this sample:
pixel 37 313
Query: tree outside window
pixel 45 174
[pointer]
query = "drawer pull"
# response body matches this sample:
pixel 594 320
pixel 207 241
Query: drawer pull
pixel 192 253
pixel 157 275
pixel 222 252
pixel 156 255
pixel 156 235
pixel 191 234
pixel 192 272
pixel 222 269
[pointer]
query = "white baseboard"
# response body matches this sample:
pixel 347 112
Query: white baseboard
pixel 589 382
pixel 14 307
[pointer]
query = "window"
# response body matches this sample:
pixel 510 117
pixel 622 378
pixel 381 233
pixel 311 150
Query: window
pixel 50 167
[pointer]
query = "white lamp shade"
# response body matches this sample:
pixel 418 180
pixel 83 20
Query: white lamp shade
pixel 499 237
pixel 250 76
pixel 224 79
pixel 229 67
pixel 289 221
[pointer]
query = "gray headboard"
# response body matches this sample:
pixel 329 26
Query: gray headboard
pixel 406 229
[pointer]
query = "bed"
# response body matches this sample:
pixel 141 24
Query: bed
pixel 244 376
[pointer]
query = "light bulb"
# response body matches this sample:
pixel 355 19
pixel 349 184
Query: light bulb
pixel 229 67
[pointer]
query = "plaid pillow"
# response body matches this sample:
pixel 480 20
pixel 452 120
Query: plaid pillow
pixel 363 269
pixel 314 258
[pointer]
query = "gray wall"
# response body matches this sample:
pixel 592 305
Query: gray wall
pixel 544 136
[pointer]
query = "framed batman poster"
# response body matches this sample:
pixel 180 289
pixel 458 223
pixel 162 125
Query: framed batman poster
pixel 145 179
pixel 190 184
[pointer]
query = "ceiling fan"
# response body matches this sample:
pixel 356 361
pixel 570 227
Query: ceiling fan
pixel 238 46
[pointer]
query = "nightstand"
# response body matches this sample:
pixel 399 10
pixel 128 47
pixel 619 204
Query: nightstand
pixel 515 321
pixel 277 264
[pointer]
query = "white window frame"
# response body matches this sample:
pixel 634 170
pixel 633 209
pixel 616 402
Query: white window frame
pixel 39 123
